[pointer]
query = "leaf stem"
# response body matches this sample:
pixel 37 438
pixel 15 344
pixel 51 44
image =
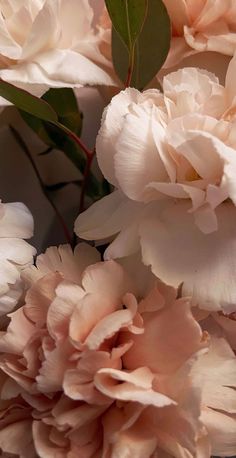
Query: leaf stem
pixel 24 147
pixel 76 139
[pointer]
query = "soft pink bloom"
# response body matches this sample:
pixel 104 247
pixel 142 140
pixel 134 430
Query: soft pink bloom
pixel 218 323
pixel 215 375
pixel 51 43
pixel 201 25
pixel 90 369
pixel 172 158
pixel 16 224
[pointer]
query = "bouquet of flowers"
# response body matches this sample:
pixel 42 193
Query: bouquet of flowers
pixel 119 342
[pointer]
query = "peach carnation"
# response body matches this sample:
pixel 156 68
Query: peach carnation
pixel 90 369
pixel 201 25
pixel 215 374
pixel 51 43
pixel 16 224
pixel 171 158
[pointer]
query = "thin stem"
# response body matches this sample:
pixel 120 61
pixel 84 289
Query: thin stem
pixel 77 140
pixel 24 147
pixel 85 180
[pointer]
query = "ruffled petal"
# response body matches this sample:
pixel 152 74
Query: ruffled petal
pixel 179 252
pixel 134 386
pixel 171 331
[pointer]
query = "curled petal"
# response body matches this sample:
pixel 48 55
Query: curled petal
pixel 134 386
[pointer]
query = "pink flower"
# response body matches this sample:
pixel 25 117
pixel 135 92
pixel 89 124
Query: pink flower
pixel 89 369
pixel 16 224
pixel 172 159
pixel 215 375
pixel 219 323
pixel 51 43
pixel 201 25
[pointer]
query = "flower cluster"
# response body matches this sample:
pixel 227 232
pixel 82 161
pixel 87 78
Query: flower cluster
pixel 171 158
pixel 87 365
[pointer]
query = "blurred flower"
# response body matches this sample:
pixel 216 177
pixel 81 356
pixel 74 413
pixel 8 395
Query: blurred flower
pixel 172 159
pixel 201 25
pixel 50 43
pixel 89 369
pixel 16 224
pixel 215 375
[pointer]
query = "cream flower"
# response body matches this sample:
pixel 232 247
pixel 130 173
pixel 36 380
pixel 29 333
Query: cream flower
pixel 90 369
pixel 16 224
pixel 50 43
pixel 201 25
pixel 172 158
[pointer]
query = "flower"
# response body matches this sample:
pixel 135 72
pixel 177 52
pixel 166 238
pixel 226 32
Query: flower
pixel 90 368
pixel 16 224
pixel 51 43
pixel 215 374
pixel 172 159
pixel 201 25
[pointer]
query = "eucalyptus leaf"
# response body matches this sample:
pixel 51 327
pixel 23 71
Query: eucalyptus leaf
pixel 38 126
pixel 127 17
pixel 47 122
pixel 151 47
pixel 64 102
pixel 27 102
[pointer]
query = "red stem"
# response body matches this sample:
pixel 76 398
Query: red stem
pixel 130 69
pixel 85 180
pixel 129 77
pixel 77 140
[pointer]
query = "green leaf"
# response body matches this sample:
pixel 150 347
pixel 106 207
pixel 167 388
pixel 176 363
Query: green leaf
pixel 151 47
pixel 27 102
pixel 45 121
pixel 64 102
pixel 127 17
pixel 38 126
pixel 56 138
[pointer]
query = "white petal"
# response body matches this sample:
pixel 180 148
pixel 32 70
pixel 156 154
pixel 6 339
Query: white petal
pixel 57 68
pixel 37 41
pixel 16 250
pixel 107 217
pixel 17 221
pixel 112 123
pixel 137 159
pixel 179 252
pixel 9 47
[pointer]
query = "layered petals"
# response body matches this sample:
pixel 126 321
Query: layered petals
pixel 67 54
pixel 215 373
pixel 16 224
pixel 89 365
pixel 171 158
pixel 200 26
